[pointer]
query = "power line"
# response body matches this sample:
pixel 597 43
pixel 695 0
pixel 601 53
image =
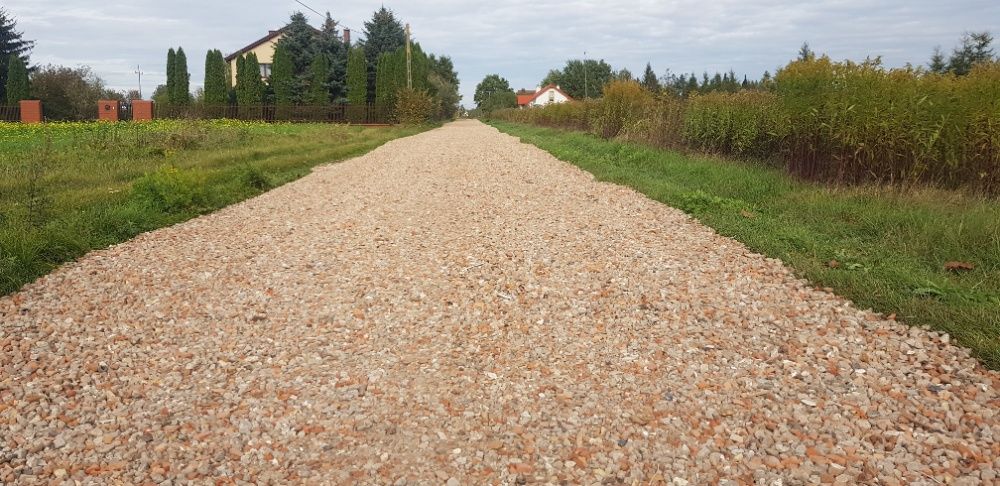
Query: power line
pixel 323 15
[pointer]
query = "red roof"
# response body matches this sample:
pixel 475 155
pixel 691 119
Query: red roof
pixel 525 100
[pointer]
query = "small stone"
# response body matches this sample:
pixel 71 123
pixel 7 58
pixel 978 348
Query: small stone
pixel 453 482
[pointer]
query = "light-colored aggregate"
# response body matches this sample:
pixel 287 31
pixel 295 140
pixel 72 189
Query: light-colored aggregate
pixel 460 308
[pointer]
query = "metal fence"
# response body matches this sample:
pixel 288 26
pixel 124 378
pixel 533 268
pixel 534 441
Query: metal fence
pixel 337 113
pixel 10 113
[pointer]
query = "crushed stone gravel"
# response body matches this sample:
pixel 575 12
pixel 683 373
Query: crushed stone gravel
pixel 459 308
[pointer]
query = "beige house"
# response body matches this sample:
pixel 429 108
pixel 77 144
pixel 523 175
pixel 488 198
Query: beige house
pixel 264 49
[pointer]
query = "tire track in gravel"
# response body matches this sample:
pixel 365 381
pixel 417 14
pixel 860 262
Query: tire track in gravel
pixel 457 307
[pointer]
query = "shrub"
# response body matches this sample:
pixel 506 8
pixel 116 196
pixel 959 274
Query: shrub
pixel 623 105
pixel 858 121
pixel 745 124
pixel 169 190
pixel 414 106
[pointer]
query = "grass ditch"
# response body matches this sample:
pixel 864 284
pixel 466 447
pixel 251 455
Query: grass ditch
pixel 884 248
pixel 69 189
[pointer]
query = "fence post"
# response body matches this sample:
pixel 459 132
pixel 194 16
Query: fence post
pixel 107 110
pixel 31 111
pixel 142 110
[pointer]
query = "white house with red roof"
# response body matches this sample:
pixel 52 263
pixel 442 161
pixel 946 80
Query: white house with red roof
pixel 542 96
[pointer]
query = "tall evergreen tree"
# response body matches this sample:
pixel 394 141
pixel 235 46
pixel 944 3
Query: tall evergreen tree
pixel 649 80
pixel 171 75
pixel 357 77
pixel 300 42
pixel 938 64
pixel 385 80
pixel 444 67
pixel 331 44
pixel 976 48
pixel 12 43
pixel 806 53
pixel 249 87
pixel 319 92
pixel 17 87
pixel 383 34
pixel 216 84
pixel 283 76
pixel 182 85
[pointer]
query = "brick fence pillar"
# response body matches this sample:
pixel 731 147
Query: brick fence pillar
pixel 107 110
pixel 142 110
pixel 31 111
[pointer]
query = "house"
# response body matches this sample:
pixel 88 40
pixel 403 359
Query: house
pixel 542 96
pixel 264 48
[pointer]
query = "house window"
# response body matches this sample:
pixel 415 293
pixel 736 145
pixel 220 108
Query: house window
pixel 552 96
pixel 265 71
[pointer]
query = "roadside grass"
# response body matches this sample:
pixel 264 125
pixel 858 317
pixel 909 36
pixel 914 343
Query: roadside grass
pixel 883 248
pixel 65 191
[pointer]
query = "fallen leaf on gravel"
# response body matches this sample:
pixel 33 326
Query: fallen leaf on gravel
pixel 959 266
pixel 520 468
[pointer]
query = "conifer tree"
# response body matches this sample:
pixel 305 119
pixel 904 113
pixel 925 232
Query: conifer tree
pixel 331 43
pixel 383 34
pixel 171 75
pixel 216 88
pixel 649 80
pixel 11 43
pixel 182 84
pixel 249 87
pixel 17 86
pixel 357 77
pixel 319 92
pixel 283 76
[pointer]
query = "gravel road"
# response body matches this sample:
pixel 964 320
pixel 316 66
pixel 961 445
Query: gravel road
pixel 459 308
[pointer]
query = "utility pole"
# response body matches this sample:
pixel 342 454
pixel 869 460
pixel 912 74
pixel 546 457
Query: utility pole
pixel 586 84
pixel 138 71
pixel 409 60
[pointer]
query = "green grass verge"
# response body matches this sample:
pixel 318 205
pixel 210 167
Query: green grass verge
pixel 66 190
pixel 890 245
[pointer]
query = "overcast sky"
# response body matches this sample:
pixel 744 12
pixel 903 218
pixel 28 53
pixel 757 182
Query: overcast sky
pixel 518 39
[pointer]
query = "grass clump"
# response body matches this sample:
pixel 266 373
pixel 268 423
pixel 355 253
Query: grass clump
pixel 883 247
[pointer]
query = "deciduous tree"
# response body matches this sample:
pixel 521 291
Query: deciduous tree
pixel 581 79
pixel 494 92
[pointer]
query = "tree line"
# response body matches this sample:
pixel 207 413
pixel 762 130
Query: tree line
pixel 316 67
pixel 582 79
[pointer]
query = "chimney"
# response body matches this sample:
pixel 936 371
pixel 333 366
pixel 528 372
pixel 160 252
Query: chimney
pixel 347 36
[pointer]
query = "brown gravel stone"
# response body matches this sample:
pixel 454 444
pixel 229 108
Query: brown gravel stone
pixel 459 308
